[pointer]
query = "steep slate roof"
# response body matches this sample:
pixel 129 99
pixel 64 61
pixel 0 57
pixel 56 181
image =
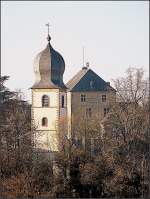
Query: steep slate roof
pixel 72 82
pixel 87 80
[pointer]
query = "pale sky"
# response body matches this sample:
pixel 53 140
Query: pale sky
pixel 115 35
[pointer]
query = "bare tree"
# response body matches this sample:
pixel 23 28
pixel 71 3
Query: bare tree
pixel 134 87
pixel 126 128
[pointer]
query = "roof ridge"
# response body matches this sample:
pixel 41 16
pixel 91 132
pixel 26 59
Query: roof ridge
pixel 73 78
pixel 76 78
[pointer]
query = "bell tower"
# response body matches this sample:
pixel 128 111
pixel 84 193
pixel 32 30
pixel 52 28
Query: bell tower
pixel 49 98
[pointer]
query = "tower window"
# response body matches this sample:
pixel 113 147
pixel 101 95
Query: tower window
pixel 45 101
pixel 62 101
pixel 103 98
pixel 83 98
pixel 44 121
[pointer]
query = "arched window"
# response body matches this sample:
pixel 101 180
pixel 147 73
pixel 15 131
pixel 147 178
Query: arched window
pixel 45 101
pixel 44 121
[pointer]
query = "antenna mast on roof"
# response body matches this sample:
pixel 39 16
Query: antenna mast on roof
pixel 87 64
pixel 83 56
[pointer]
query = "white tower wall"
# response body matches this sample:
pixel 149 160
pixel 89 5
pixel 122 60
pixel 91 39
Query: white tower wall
pixel 46 136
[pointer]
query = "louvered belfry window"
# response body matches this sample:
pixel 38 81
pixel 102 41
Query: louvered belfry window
pixel 45 101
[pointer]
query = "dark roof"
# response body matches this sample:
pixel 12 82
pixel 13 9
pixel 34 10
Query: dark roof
pixel 49 67
pixel 87 80
pixel 72 82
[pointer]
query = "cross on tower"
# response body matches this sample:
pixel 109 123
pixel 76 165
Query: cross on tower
pixel 48 27
pixel 48 37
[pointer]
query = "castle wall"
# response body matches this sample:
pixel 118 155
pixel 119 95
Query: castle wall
pixel 93 100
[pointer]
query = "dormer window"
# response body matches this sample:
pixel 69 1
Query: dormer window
pixel 91 84
pixel 45 101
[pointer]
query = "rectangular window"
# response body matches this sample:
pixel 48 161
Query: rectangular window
pixel 103 98
pixel 88 112
pixel 62 101
pixel 83 98
pixel 106 110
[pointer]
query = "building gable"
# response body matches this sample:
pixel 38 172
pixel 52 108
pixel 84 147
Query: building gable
pixel 90 81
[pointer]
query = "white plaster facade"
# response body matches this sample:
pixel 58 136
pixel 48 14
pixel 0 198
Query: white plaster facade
pixel 46 136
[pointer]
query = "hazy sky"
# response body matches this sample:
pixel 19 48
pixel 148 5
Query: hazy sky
pixel 115 35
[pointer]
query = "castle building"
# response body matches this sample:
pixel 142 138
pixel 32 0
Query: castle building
pixel 85 95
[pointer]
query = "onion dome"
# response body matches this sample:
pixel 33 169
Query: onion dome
pixel 49 67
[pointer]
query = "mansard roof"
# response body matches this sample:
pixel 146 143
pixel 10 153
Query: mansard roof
pixel 88 80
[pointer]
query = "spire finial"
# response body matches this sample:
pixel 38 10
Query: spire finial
pixel 48 37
